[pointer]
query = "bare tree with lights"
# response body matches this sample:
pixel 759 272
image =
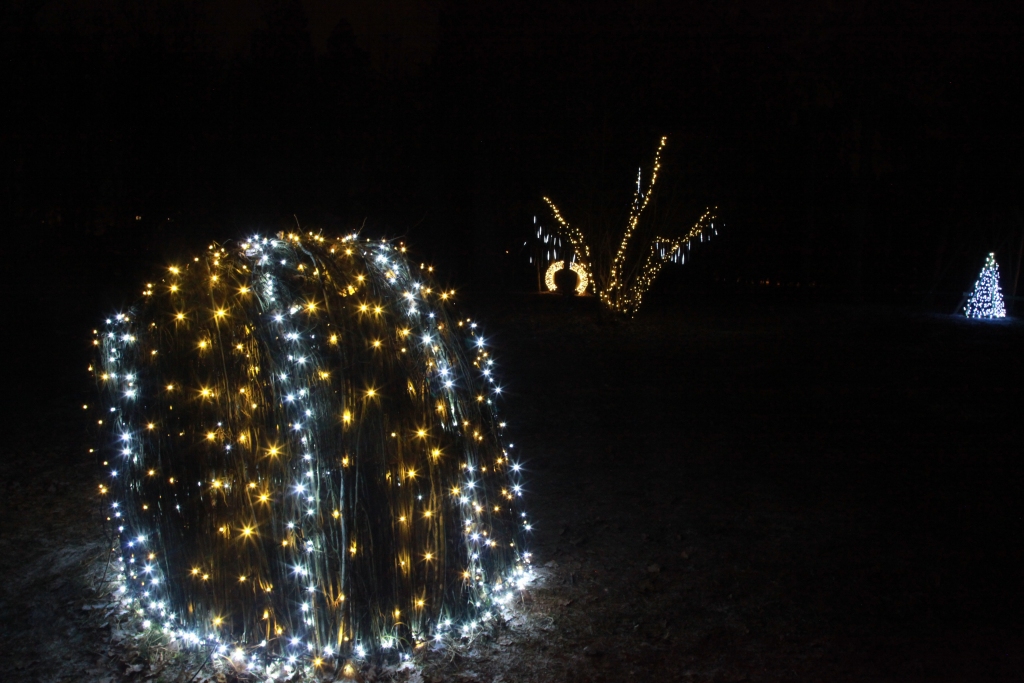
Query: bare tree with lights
pixel 623 270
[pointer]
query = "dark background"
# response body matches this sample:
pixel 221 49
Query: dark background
pixel 826 474
pixel 864 151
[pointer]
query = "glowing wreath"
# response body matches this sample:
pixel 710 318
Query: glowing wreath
pixel 583 280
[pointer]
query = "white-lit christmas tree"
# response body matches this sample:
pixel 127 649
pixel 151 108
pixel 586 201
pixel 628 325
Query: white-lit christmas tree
pixel 986 301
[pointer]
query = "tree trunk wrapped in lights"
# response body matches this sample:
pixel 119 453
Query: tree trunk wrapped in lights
pixel 986 301
pixel 302 459
pixel 621 279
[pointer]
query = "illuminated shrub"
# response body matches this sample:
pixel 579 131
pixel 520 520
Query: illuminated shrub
pixel 302 459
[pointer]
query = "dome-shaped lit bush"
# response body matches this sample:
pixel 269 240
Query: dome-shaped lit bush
pixel 302 457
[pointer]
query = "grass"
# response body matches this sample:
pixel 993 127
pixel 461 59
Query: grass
pixel 730 489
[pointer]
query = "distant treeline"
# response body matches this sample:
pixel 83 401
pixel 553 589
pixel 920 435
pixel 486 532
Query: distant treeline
pixel 870 149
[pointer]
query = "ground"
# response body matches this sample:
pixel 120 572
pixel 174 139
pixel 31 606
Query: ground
pixel 741 489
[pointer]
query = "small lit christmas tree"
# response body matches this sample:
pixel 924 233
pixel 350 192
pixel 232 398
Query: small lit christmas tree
pixel 986 301
pixel 302 459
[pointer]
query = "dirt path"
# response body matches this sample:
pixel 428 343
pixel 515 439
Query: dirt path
pixel 773 494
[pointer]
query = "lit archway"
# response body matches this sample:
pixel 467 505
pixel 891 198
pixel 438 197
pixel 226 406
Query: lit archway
pixel 582 278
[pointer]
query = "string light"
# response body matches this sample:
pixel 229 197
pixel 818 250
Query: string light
pixel 986 301
pixel 279 548
pixel 631 272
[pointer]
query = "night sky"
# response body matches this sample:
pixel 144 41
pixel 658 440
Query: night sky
pixel 870 151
